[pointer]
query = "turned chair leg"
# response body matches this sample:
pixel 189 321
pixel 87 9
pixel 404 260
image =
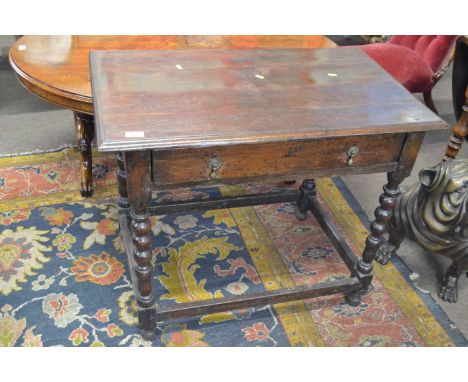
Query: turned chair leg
pixel 459 134
pixel 429 101
pixel 84 124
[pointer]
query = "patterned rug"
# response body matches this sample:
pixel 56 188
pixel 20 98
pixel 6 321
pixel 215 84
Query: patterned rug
pixel 64 279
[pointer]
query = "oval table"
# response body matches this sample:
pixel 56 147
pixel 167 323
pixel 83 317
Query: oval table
pixel 56 68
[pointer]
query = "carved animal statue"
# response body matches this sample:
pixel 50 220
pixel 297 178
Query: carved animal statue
pixel 434 214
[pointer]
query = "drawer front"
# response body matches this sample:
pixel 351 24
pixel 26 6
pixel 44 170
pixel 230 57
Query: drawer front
pixel 276 160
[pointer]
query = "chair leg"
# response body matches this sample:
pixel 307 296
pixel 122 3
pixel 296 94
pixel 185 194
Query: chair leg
pixel 429 101
pixel 459 133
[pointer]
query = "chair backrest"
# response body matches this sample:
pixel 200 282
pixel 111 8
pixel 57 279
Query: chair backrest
pixel 433 49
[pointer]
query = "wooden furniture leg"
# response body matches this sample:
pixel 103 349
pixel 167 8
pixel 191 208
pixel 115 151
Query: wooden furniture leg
pixel 383 213
pixel 122 182
pixel 304 203
pixel 459 133
pixel 460 98
pixel 378 227
pixel 84 124
pixel 307 202
pixel 138 169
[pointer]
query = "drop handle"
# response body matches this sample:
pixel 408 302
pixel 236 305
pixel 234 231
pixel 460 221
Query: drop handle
pixel 214 164
pixel 351 153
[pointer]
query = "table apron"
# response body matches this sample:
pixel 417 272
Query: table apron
pixel 275 161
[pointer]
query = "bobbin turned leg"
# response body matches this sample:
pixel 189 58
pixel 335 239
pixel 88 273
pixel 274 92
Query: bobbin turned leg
pixel 307 191
pixel 84 124
pixel 138 166
pixel 378 227
pixel 383 213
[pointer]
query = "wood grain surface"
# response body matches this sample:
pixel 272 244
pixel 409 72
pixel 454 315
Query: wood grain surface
pixel 56 68
pixel 295 160
pixel 198 98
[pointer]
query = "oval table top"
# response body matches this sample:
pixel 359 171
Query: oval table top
pixel 56 68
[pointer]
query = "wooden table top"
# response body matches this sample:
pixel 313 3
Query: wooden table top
pixel 56 68
pixel 198 98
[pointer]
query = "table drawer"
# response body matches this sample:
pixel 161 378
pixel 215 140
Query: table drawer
pixel 276 160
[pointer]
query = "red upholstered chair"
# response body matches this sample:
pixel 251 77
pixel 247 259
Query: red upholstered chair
pixel 417 62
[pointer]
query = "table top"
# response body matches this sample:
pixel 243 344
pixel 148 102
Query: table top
pixel 173 99
pixel 56 68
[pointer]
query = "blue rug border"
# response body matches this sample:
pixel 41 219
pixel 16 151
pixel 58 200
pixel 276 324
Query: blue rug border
pixel 450 328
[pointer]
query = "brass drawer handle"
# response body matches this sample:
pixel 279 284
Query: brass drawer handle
pixel 214 164
pixel 352 152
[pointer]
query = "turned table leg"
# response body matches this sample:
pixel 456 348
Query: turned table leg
pixel 383 213
pixel 307 190
pixel 378 227
pixel 138 167
pixel 84 124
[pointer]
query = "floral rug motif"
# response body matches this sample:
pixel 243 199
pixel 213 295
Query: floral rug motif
pixel 64 278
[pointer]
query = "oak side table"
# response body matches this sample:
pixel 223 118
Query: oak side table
pixel 191 117
pixel 56 68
